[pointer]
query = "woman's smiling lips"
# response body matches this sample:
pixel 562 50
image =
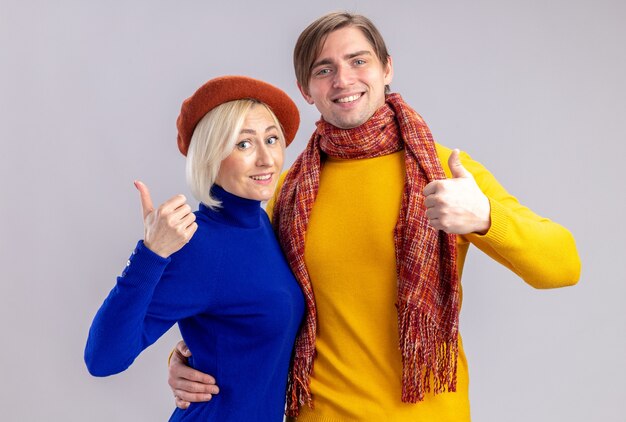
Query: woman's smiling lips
pixel 263 179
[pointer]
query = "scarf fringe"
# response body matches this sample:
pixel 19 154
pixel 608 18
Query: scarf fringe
pixel 426 355
pixel 298 390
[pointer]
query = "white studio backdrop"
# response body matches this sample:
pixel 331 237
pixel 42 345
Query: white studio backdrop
pixel 89 94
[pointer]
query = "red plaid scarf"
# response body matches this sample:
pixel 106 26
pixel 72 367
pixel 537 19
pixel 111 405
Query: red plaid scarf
pixel 428 289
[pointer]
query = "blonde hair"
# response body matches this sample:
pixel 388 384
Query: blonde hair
pixel 311 41
pixel 212 141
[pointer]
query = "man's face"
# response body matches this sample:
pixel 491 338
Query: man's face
pixel 347 83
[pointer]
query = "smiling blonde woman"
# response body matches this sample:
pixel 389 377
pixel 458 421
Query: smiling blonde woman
pixel 221 275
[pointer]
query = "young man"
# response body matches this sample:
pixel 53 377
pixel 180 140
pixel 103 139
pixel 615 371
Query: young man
pixel 376 220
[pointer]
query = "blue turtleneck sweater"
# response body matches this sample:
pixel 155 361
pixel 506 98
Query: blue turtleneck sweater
pixel 236 303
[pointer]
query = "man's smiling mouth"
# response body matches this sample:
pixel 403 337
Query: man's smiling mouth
pixel 348 99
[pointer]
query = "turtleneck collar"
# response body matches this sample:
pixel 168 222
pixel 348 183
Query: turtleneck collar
pixel 235 210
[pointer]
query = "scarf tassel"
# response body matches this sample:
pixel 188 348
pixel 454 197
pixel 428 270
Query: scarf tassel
pixel 426 356
pixel 298 391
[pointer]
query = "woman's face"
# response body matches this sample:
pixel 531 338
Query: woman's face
pixel 251 171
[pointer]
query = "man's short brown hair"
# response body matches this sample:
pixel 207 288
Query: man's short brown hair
pixel 312 39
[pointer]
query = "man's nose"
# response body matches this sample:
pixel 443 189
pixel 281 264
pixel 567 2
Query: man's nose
pixel 343 77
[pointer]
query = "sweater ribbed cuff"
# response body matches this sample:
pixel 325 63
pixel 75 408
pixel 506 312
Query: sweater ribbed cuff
pixel 144 268
pixel 499 224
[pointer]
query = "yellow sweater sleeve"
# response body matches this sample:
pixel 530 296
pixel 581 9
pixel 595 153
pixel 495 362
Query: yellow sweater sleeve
pixel 269 208
pixel 540 251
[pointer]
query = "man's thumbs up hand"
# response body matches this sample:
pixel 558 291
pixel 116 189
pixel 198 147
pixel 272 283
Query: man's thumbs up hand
pixel 169 227
pixel 457 205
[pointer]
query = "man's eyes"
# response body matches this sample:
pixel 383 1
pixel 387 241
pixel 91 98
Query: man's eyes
pixel 323 72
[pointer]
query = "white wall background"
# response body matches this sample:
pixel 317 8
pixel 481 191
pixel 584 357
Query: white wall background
pixel 89 94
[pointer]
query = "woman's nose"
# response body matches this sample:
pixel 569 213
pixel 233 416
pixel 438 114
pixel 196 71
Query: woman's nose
pixel 264 157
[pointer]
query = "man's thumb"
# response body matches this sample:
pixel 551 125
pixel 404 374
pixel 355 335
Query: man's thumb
pixel 146 201
pixel 456 168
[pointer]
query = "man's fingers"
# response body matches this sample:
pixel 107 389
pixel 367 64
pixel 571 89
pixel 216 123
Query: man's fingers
pixel 196 376
pixel 184 396
pixel 430 188
pixel 180 371
pixel 193 387
pixel 182 348
pixel 146 200
pixel 435 224
pixel 432 201
pixel 181 404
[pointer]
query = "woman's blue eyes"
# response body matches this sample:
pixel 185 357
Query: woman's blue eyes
pixel 272 140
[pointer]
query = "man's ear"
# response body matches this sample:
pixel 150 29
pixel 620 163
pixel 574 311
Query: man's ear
pixel 305 94
pixel 388 71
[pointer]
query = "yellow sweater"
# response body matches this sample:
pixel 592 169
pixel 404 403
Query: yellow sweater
pixel 349 252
